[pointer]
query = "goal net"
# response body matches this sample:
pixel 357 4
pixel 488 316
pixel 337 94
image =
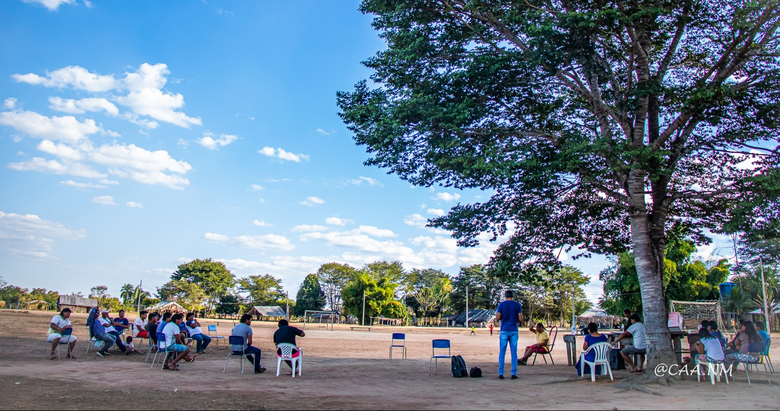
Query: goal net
pixel 694 312
pixel 322 319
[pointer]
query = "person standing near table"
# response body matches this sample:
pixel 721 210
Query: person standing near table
pixel 510 313
pixel 627 314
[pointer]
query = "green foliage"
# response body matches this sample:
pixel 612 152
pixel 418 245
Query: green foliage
pixel 127 294
pixel 484 288
pixel 187 294
pixel 263 290
pixel 380 297
pixel 550 296
pixel 392 270
pixel 229 304
pixel 310 295
pixel 333 277
pixel 427 291
pixel 211 276
pixel 739 301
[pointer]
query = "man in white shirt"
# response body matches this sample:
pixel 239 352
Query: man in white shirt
pixel 196 333
pixel 638 344
pixel 174 342
pixel 58 326
pixel 139 326
pixel 109 326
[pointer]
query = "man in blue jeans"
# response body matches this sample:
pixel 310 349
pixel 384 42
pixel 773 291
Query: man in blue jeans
pixel 510 313
pixel 244 329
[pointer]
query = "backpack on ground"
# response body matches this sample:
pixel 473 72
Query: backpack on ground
pixel 459 369
pixel 475 372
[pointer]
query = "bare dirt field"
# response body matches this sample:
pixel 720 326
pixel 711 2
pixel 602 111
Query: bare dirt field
pixel 343 369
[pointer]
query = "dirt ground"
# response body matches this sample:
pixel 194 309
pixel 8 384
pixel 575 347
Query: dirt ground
pixel 343 369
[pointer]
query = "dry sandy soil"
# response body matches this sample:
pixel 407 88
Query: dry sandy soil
pixel 342 369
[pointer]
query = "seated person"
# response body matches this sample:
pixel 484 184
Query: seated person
pixel 244 329
pixel 593 337
pixel 287 334
pixel 747 336
pixel 542 339
pixel 712 327
pixel 98 331
pixel 166 318
pixel 638 345
pixel 708 347
pixel 732 347
pixel 152 327
pixel 761 328
pixel 196 333
pixel 130 347
pixel 121 323
pixel 57 326
pixel 175 343
pixel 109 329
pixel 139 325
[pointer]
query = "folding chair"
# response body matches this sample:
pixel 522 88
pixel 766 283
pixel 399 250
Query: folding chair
pixel 162 347
pixel 289 352
pixel 601 351
pixel 441 345
pixel 152 347
pixel 216 337
pixel 65 333
pixel 550 345
pixel 398 341
pixel 714 369
pixel 238 341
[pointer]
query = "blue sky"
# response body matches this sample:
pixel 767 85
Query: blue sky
pixel 138 135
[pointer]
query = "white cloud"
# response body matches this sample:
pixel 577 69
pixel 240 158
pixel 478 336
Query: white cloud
pixel 211 143
pixel 376 232
pixel 337 221
pixel 10 103
pixel 54 166
pixel 368 180
pixel 104 200
pixel 262 223
pixel 312 201
pixel 75 77
pixel 448 197
pixel 81 106
pixel 282 154
pixel 323 132
pixel 436 211
pixel 257 187
pixel 416 220
pixel 254 242
pixel 182 143
pixel 308 228
pixel 72 183
pixel 65 128
pixel 109 182
pixel 31 236
pixel 62 151
pixel 357 240
pixel 133 204
pixel 143 166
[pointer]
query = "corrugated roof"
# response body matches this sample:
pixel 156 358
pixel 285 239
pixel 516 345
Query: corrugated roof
pixel 77 301
pixel 478 315
pixel 166 305
pixel 268 311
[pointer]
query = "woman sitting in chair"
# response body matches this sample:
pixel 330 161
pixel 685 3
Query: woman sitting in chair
pixel 592 337
pixel 747 335
pixel 708 347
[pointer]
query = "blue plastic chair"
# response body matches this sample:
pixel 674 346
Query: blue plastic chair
pixel 237 340
pixel 398 341
pixel 162 347
pixel 759 348
pixel 441 345
pixel 65 333
pixel 213 329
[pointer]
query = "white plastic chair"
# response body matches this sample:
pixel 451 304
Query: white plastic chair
pixel 715 369
pixel 286 354
pixel 601 351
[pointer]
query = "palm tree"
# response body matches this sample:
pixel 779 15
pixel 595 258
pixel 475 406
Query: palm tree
pixel 739 301
pixel 126 294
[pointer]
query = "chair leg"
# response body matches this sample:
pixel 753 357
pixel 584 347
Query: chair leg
pixel 226 361
pixel 292 365
pixel 551 359
pixel 278 365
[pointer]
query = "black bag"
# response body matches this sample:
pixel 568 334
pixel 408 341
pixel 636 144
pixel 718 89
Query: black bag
pixel 459 369
pixel 616 360
pixel 475 372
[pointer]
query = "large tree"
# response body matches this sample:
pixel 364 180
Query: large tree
pixel 333 277
pixel 310 296
pixel 211 276
pixel 263 290
pixel 596 123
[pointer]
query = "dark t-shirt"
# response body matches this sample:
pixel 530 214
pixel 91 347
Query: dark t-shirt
pixel 123 321
pixel 509 310
pixel 287 335
pixel 152 328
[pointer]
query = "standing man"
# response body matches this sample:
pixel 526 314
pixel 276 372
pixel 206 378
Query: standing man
pixel 491 329
pixel 510 313
pixel 627 314
pixel 244 329
pixel 286 334
pixel 472 330
pixel 60 323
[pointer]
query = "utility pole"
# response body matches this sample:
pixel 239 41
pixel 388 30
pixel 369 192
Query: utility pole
pixel 466 323
pixel 138 309
pixel 763 292
pixel 573 314
pixel 363 319
pixel 288 304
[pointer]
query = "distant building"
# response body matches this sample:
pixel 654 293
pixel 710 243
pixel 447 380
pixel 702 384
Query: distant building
pixel 76 304
pixel 268 313
pixel 164 306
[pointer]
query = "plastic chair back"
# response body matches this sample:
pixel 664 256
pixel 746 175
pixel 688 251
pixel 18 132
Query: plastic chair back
pixel 601 351
pixel 553 334
pixel 236 341
pixel 285 350
pixel 441 345
pixel 161 343
pixel 758 347
pixel 399 340
pixel 212 328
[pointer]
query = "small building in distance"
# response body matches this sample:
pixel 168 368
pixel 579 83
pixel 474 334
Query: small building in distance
pixel 76 304
pixel 267 312
pixel 164 306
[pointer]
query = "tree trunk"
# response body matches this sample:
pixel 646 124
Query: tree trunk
pixel 649 268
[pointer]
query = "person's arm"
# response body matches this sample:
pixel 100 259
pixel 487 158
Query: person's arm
pixel 141 327
pixel 625 334
pixel 249 340
pixel 498 316
pixel 56 327
pixel 179 339
pixel 519 318
pixel 300 332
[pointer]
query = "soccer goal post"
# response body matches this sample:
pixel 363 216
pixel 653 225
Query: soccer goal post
pixel 322 319
pixel 693 312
